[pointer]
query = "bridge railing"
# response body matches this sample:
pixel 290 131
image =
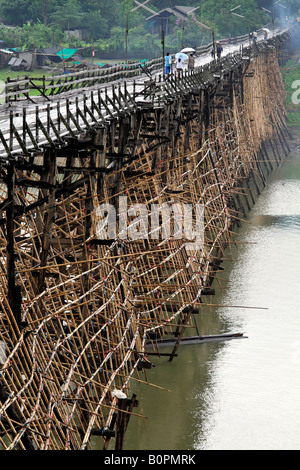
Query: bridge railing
pixel 28 87
pixel 24 129
pixel 47 87
pixel 234 40
pixel 50 121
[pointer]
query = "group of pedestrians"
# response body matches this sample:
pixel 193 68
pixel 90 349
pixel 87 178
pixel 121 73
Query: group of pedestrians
pixel 178 64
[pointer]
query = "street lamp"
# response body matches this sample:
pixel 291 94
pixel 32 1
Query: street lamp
pixel 279 5
pixel 232 12
pixel 162 30
pixel 212 32
pixel 273 13
pixel 191 12
pixel 126 27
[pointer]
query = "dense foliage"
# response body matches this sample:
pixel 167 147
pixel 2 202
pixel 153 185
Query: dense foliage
pixel 43 22
pixel 291 73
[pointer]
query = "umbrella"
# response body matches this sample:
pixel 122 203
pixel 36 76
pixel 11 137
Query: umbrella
pixel 188 49
pixel 267 30
pixel 118 393
pixel 181 55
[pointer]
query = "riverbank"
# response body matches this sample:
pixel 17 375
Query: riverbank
pixel 291 75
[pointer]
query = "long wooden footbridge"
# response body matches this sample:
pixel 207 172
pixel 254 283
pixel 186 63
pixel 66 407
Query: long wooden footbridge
pixel 66 105
pixel 79 307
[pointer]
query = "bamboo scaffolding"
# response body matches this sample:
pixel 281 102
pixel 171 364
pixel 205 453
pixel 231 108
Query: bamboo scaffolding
pixel 87 306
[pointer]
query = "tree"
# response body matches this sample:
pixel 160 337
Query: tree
pixel 39 35
pixel 18 12
pixel 15 12
pixel 106 20
pixel 217 12
pixel 13 37
pixel 39 10
pixel 96 24
pixel 68 15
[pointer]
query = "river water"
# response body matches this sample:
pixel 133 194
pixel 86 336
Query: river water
pixel 243 393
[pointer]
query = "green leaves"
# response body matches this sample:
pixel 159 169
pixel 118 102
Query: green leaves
pixel 105 21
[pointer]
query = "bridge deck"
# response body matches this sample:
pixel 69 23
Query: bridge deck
pixel 26 126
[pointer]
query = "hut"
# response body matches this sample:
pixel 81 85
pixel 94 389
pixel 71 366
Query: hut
pixel 5 57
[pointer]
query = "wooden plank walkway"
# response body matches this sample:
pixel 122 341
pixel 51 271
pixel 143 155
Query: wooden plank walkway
pixel 83 100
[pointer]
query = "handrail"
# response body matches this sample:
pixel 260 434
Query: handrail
pixel 48 86
pixel 30 127
pixel 27 87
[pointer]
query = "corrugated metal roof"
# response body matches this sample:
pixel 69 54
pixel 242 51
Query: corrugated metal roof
pixel 15 61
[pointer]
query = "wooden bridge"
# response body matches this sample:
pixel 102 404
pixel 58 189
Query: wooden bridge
pixel 30 121
pixel 77 308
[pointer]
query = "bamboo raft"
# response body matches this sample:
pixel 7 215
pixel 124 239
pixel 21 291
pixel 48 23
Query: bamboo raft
pixel 76 310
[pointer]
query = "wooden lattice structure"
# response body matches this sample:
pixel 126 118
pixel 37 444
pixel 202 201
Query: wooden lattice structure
pixel 77 310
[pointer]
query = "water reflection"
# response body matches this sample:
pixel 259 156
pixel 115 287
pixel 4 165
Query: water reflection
pixel 253 403
pixel 242 394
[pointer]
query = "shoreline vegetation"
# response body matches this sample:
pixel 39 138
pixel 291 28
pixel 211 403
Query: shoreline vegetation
pixel 291 74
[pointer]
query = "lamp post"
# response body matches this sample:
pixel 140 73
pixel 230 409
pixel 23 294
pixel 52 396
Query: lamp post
pixel 191 13
pixel 273 13
pixel 162 31
pixel 182 33
pixel 212 32
pixel 279 5
pixel 126 27
pixel 232 12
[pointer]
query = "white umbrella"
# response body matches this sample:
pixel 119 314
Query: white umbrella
pixel 118 393
pixel 188 49
pixel 267 30
pixel 181 55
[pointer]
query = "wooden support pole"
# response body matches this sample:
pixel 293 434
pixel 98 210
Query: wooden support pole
pixel 183 324
pixel 121 424
pixel 13 291
pixel 50 174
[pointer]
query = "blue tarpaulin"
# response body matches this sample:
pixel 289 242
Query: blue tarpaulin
pixel 66 53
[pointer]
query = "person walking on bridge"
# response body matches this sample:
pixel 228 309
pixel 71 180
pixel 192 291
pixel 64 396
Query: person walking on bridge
pixel 191 62
pixel 219 50
pixel 179 67
pixel 167 65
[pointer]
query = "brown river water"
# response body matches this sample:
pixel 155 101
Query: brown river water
pixel 243 393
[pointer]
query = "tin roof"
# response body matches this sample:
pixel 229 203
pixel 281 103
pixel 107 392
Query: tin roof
pixel 15 61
